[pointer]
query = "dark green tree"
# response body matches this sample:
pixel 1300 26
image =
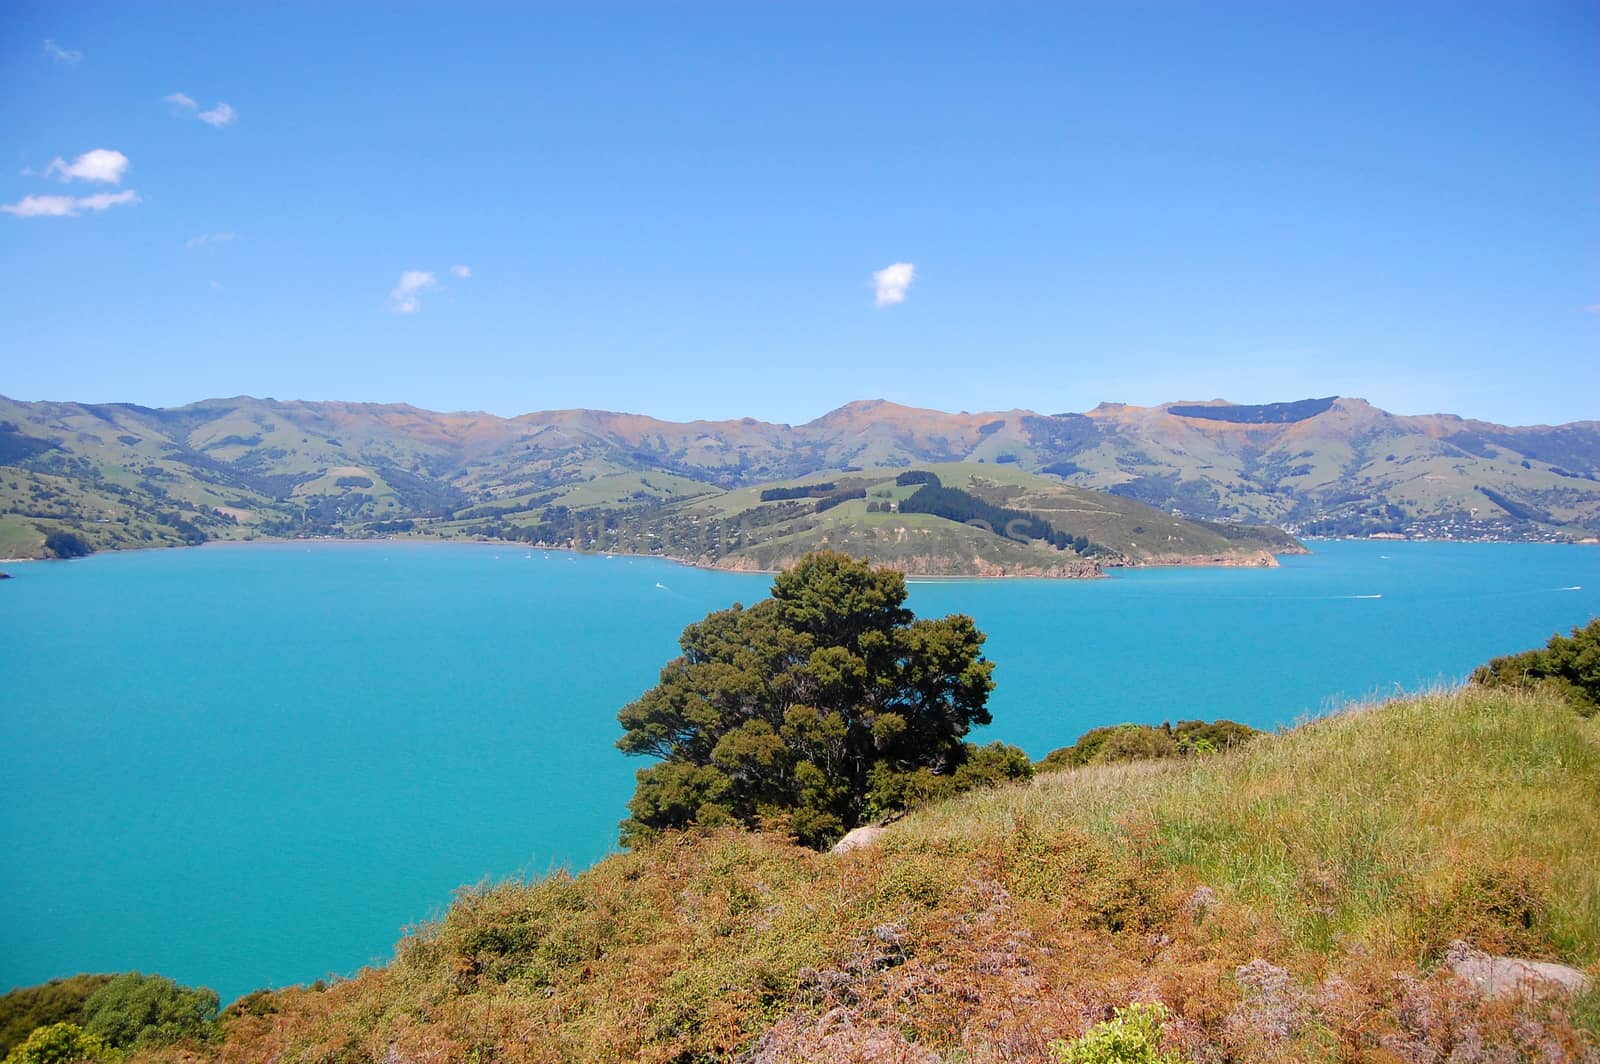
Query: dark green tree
pixel 66 545
pixel 809 709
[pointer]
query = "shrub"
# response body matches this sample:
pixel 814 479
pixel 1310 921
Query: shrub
pixel 148 1010
pixel 1132 1036
pixel 1567 666
pixel 891 790
pixel 59 1043
pixel 1147 742
pixel 30 1007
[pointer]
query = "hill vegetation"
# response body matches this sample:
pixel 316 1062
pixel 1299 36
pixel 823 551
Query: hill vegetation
pixel 91 1016
pixel 117 475
pixel 1568 667
pixel 1146 742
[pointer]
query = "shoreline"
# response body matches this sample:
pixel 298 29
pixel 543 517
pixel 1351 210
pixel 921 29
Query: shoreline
pixel 264 541
pixel 1106 572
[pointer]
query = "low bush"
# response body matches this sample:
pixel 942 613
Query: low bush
pixel 1568 666
pixel 1145 742
pixel 1131 1036
pixel 59 1043
pixel 148 1010
pixel 30 1007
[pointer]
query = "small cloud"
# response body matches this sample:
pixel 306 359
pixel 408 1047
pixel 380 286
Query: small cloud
pixel 216 284
pixel 891 282
pixel 1593 308
pixel 206 239
pixel 406 297
pixel 60 54
pixel 219 116
pixel 101 164
pixel 68 206
pixel 462 272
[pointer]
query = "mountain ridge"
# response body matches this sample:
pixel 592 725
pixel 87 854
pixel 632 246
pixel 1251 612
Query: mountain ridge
pixel 1329 466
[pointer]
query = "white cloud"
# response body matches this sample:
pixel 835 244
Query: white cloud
pixel 68 206
pixel 60 54
pixel 208 238
pixel 462 272
pixel 407 295
pixel 219 116
pixel 101 164
pixel 891 283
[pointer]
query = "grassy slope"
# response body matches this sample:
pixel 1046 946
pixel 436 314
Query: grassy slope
pixel 1348 852
pixel 924 544
pixel 121 473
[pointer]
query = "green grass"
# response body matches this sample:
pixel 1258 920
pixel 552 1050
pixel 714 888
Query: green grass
pixel 1383 826
pixel 19 538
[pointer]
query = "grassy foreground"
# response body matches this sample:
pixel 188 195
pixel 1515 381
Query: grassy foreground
pixel 1289 900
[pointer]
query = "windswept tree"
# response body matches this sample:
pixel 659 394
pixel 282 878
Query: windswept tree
pixel 815 709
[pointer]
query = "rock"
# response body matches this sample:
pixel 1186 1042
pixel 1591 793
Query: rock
pixel 1495 977
pixel 862 838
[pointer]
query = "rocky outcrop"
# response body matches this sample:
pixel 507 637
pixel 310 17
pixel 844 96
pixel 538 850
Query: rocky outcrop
pixel 1496 977
pixel 862 838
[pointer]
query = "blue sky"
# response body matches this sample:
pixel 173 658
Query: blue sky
pixel 679 209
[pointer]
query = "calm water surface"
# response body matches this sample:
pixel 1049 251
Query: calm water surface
pixel 254 765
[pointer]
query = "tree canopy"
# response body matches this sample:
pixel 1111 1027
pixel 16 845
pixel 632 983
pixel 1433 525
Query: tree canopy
pixel 815 709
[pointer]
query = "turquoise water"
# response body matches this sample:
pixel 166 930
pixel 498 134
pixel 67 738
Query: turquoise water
pixel 248 766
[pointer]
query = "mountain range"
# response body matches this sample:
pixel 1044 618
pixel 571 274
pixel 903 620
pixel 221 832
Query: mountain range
pixel 120 475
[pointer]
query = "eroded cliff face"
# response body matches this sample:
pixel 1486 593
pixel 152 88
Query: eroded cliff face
pixel 1259 559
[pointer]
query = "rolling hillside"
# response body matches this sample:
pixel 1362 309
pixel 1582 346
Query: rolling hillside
pixel 118 475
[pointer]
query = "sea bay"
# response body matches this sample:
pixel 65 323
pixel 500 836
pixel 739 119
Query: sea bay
pixel 253 765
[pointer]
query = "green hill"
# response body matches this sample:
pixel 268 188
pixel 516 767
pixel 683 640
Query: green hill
pixel 118 475
pixel 1106 529
pixel 1291 899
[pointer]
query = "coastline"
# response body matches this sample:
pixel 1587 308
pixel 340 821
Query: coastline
pixel 1104 571
pixel 1261 559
